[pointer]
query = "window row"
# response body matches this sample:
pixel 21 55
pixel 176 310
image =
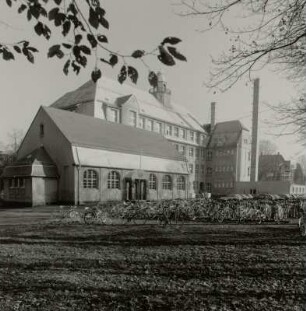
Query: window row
pixel 17 182
pixel 224 168
pixel 193 151
pixel 224 184
pixel 225 152
pixel 90 180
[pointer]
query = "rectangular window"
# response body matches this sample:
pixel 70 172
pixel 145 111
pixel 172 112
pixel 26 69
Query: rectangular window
pixel 176 132
pixel 209 155
pixel 203 168
pixel 209 171
pixel 197 168
pixel 208 187
pixel 133 118
pixel 182 149
pixel 197 152
pixel 190 168
pixel 149 124
pixel 191 135
pixel 141 122
pixel 182 133
pixel 191 151
pixel 249 171
pixel 176 147
pixel 168 130
pixel 158 127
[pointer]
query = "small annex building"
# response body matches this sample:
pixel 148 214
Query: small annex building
pixel 32 180
pixel 91 160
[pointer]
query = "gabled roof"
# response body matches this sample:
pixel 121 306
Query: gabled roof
pixel 226 134
pixel 229 126
pixel 112 92
pixel 85 93
pixel 38 163
pixel 85 131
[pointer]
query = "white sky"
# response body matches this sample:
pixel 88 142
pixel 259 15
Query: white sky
pixel 138 24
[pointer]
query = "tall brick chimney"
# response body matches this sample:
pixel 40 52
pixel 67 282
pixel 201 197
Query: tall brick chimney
pixel 212 115
pixel 254 147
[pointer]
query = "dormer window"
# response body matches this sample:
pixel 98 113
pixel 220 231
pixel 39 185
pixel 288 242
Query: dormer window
pixel 41 130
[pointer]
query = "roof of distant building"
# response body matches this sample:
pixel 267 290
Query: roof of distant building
pixel 226 133
pixel 112 92
pixel 85 131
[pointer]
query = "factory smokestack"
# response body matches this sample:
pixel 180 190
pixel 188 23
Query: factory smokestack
pixel 212 115
pixel 254 147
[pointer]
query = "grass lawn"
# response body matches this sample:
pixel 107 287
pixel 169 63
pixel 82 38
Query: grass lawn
pixel 197 267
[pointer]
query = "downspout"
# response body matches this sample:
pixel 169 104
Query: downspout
pixel 78 168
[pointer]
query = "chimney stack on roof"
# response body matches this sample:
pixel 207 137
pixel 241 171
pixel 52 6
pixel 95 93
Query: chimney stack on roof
pixel 212 115
pixel 161 92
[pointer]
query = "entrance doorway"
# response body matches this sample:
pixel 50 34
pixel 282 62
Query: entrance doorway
pixel 128 194
pixel 140 189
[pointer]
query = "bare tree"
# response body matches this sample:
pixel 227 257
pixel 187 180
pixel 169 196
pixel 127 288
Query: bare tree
pixel 15 138
pixel 267 147
pixel 262 32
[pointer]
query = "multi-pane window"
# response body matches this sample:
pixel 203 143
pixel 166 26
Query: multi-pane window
pixel 209 155
pixel 197 168
pixel 176 132
pixel 17 182
pixel 150 124
pixel 90 179
pixel 191 135
pixel 113 115
pixel 113 180
pixel 191 151
pixel 168 130
pixel 152 182
pixel 181 184
pixel 133 118
pixel 195 185
pixel 203 168
pixel 141 122
pixel 158 127
pixel 182 149
pixel 209 171
pixel 167 182
pixel 197 152
pixel 183 133
pixel 190 168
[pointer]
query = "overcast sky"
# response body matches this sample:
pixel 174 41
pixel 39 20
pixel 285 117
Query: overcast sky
pixel 138 24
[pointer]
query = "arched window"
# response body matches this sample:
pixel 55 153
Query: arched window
pixel 167 182
pixel 90 179
pixel 181 185
pixel 113 180
pixel 152 182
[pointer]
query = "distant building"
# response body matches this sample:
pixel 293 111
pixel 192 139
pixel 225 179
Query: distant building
pixel 228 157
pixel 152 111
pixel 71 157
pixel 273 167
pixel 276 176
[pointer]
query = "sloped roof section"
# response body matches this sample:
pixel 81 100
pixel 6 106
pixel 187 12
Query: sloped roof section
pixel 85 93
pixel 38 163
pixel 86 131
pixel 113 93
pixel 226 134
pixel 229 126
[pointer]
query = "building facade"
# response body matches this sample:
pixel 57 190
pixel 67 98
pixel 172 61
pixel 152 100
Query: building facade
pixel 228 157
pixel 70 157
pixel 152 111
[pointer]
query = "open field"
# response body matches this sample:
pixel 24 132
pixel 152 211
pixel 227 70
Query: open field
pixel 45 266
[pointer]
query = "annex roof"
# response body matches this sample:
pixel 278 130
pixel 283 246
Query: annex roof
pixel 113 93
pixel 85 131
pixel 38 163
